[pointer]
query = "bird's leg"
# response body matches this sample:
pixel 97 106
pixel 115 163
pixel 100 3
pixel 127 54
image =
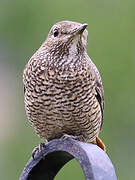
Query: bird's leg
pixel 99 143
pixel 66 136
pixel 38 148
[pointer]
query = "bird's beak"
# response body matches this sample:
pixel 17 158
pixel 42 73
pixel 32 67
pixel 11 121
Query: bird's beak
pixel 82 28
pixel 79 30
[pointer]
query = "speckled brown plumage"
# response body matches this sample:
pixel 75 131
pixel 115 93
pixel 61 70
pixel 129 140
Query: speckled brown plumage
pixel 63 88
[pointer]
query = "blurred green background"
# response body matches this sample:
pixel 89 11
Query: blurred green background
pixel 111 44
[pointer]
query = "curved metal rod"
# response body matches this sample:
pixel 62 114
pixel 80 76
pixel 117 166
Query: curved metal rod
pixel 94 161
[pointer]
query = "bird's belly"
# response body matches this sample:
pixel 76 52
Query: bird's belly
pixel 64 108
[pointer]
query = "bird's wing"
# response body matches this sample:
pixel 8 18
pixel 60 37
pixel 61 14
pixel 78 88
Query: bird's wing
pixel 99 91
pixel 24 89
pixel 100 98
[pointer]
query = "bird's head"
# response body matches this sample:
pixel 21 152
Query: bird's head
pixel 67 35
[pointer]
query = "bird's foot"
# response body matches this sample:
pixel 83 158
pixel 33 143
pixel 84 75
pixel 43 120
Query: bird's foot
pixel 78 138
pixel 99 143
pixel 38 149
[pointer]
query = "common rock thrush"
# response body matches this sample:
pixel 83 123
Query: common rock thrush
pixel 63 88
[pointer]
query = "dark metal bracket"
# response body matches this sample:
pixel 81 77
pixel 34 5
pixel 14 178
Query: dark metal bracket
pixel 94 161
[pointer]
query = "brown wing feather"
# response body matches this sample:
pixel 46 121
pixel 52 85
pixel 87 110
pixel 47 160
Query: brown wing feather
pixel 98 87
pixel 100 98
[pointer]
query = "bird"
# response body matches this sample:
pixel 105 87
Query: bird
pixel 63 90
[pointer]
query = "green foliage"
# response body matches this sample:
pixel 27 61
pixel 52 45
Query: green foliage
pixel 111 25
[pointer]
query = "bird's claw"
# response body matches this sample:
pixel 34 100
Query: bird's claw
pixel 66 136
pixel 38 149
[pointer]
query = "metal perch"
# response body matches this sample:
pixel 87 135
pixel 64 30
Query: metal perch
pixel 94 161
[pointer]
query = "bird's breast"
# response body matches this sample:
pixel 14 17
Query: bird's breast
pixel 59 87
pixel 60 99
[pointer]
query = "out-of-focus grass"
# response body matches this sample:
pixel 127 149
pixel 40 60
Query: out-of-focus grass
pixel 111 44
pixel 72 170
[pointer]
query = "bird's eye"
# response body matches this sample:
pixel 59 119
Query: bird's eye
pixel 55 32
